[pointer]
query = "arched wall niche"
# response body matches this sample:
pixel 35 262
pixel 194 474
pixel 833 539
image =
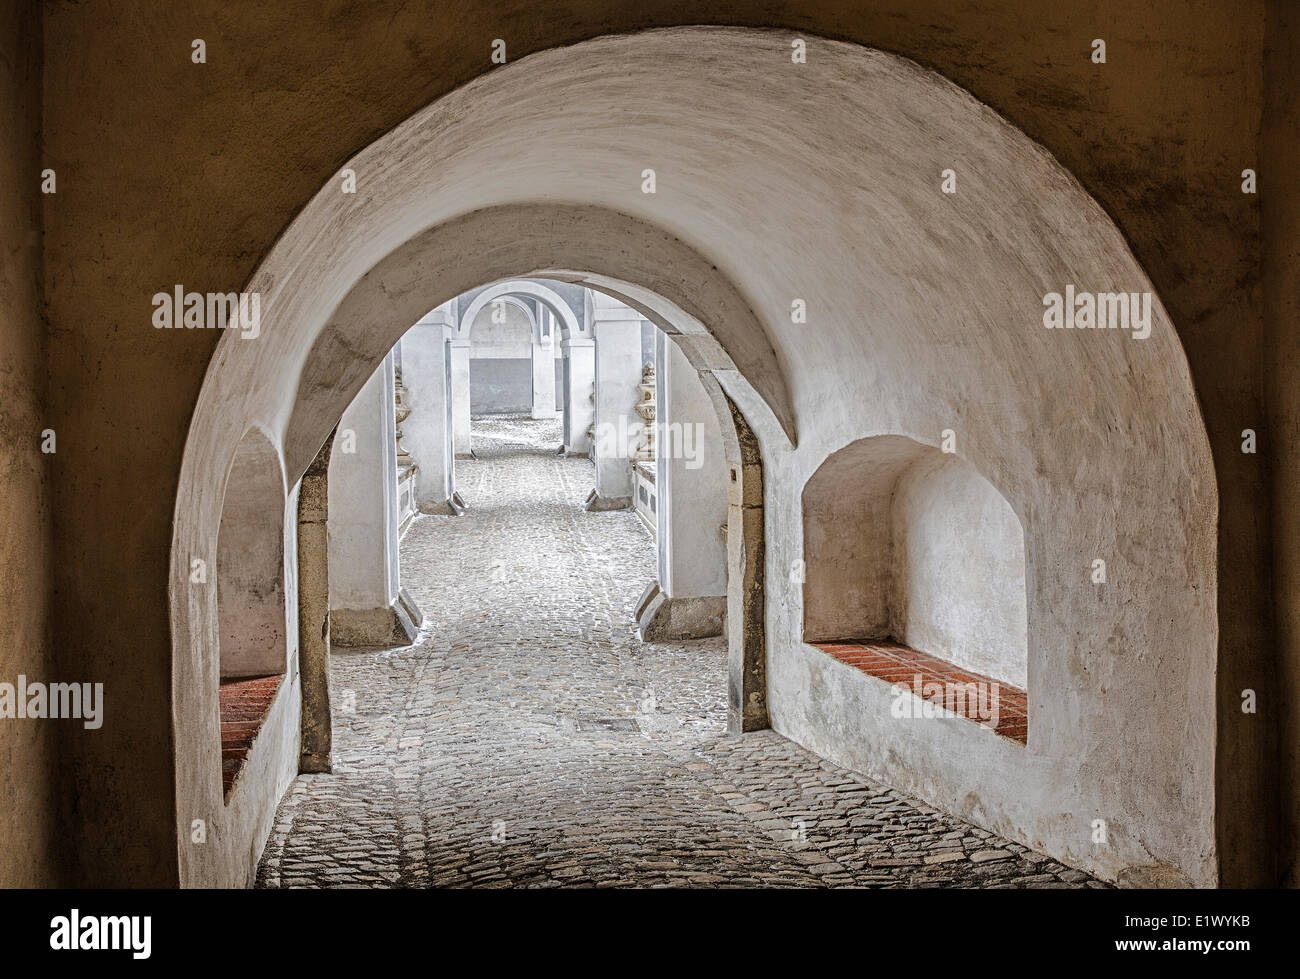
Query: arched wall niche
pixel 250 569
pixel 819 182
pixel 903 541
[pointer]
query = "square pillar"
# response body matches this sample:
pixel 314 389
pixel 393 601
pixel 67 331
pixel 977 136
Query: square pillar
pixel 363 522
pixel 461 430
pixel 428 376
pixel 617 331
pixel 579 399
pixel 691 477
pixel 543 376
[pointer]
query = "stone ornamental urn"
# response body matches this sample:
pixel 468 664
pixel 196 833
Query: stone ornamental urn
pixel 646 409
pixel 404 457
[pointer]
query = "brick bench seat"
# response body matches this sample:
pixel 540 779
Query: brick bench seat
pixel 244 703
pixel 896 663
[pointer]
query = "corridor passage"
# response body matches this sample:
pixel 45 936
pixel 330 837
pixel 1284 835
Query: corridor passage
pixel 529 739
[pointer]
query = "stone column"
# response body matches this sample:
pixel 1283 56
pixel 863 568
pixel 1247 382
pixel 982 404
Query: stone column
pixel 315 726
pixel 746 575
pixel 691 476
pixel 427 371
pixel 367 607
pixel 617 331
pixel 579 398
pixel 543 369
pixel 461 429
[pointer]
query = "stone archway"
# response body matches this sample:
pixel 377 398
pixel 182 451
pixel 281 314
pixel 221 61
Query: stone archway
pixel 511 289
pixel 514 291
pixel 919 313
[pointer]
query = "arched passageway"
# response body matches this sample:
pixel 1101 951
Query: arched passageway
pixel 855 301
pixel 528 739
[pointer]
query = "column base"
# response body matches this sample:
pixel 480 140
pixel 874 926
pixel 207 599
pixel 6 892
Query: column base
pixel 596 503
pixel 314 764
pixel 453 506
pixel 395 625
pixel 647 596
pixel 662 618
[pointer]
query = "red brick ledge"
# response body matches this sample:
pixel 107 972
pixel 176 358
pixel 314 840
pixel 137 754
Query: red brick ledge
pixel 244 704
pixel 898 664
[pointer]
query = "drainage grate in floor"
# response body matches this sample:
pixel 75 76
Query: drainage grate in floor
pixel 608 724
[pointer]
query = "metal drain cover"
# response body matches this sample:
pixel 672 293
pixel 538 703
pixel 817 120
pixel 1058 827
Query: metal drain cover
pixel 608 724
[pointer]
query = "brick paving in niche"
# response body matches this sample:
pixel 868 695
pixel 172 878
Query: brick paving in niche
pixel 956 690
pixel 527 739
pixel 243 706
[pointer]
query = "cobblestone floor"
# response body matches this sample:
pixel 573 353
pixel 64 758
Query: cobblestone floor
pixel 528 739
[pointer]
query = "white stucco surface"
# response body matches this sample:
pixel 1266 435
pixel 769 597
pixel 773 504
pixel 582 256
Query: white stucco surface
pixel 775 182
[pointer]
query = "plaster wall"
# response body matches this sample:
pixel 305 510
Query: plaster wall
pixel 461 417
pixel 511 338
pixel 501 361
pixel 543 372
pixel 905 541
pixel 580 393
pixel 848 557
pixel 959 569
pixel 618 372
pixel 691 475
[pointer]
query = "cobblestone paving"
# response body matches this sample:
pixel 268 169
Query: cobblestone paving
pixel 528 739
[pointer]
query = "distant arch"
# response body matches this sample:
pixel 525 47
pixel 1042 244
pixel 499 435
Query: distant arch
pixel 512 289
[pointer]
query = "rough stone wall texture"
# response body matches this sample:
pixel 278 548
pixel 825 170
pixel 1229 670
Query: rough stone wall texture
pixel 1281 275
pixel 28 760
pixel 176 173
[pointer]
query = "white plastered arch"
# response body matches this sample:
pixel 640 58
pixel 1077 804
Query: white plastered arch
pixel 569 325
pixel 778 182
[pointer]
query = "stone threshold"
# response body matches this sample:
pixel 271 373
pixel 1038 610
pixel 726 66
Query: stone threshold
pixel 901 665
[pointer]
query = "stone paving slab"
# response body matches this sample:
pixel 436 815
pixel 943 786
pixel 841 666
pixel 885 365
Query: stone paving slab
pixel 528 739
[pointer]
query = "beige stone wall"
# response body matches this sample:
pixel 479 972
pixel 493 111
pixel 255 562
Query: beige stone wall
pixel 1281 271
pixel 28 763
